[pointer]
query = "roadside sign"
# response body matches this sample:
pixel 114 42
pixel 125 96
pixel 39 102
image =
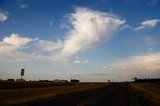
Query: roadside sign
pixel 22 72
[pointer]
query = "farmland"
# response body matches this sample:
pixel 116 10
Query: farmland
pixel 30 84
pixel 90 94
pixel 33 91
pixel 145 93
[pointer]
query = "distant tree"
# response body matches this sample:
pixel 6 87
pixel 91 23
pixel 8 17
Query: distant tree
pixel 135 78
pixel 74 81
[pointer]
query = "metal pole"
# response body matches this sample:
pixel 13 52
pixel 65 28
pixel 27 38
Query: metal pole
pixel 22 74
pixel 20 86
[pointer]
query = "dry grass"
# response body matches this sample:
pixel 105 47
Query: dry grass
pixel 150 92
pixel 11 96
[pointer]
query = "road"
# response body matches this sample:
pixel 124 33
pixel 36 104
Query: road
pixel 111 95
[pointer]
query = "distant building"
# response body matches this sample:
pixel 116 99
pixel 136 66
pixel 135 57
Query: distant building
pixel 60 81
pixel 74 81
pixel 20 80
pixel 11 80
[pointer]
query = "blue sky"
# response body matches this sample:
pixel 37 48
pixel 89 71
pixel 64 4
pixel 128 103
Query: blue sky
pixel 96 40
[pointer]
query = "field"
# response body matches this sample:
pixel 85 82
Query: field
pixel 90 94
pixel 145 94
pixel 36 91
pixel 28 84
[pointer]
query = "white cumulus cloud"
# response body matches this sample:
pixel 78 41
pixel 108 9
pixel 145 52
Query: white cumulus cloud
pixel 78 61
pixel 88 28
pixel 13 43
pixel 16 40
pixel 147 24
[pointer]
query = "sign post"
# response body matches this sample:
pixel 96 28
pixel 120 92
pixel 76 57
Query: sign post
pixel 22 74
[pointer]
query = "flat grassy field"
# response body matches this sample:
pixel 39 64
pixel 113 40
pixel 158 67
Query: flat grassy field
pixel 12 96
pixel 146 93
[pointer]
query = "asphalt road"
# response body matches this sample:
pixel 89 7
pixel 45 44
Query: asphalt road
pixel 113 95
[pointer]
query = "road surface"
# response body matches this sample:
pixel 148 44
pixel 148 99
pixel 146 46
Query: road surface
pixel 111 95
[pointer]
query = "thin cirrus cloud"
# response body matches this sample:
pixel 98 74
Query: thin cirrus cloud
pixel 51 23
pixel 49 45
pixel 23 6
pixel 3 16
pixel 88 28
pixel 152 2
pixel 151 40
pixel 147 24
pixel 140 66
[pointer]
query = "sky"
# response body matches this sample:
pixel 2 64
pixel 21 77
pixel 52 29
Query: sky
pixel 93 41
